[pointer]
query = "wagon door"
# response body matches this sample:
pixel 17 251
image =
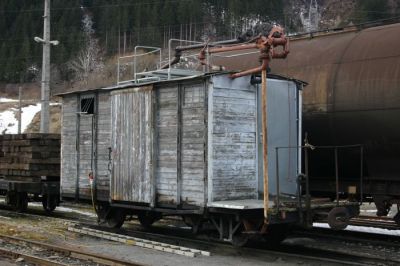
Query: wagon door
pixel 85 145
pixel 180 126
pixel 131 177
pixel 283 131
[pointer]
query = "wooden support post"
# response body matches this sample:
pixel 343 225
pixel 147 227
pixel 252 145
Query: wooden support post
pixel 264 141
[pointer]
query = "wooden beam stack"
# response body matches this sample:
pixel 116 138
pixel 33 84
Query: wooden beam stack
pixel 30 157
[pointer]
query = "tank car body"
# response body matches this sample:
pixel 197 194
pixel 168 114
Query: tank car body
pixel 353 97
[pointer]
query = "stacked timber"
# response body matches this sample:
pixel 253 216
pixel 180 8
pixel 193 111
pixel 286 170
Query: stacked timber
pixel 30 157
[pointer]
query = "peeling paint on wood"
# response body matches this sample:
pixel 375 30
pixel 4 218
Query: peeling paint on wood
pixel 188 143
pixel 132 139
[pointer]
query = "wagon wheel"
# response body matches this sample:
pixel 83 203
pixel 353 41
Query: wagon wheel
pixel 49 203
pixel 111 217
pixel 193 221
pixel 147 218
pixel 240 239
pixel 21 204
pixel 396 218
pixel 338 218
pixel 11 199
pixel 115 218
pixel 276 233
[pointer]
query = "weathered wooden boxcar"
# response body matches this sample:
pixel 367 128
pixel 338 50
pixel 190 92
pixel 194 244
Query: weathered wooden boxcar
pixel 186 142
pixel 189 146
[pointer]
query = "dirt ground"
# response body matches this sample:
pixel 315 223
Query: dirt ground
pixel 54 231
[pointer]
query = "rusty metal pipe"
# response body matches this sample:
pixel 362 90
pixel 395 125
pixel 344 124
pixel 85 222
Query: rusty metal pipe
pixel 281 55
pixel 174 61
pixel 264 121
pixel 263 66
pixel 180 49
pixel 202 58
pixel 262 43
pixel 198 46
pixel 279 41
pixel 232 48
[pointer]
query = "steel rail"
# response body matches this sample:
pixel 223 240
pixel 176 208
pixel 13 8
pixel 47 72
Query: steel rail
pixel 374 221
pixel 72 252
pixel 352 236
pixel 12 254
pixel 284 249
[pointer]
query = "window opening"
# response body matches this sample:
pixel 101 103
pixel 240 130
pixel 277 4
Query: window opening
pixel 87 105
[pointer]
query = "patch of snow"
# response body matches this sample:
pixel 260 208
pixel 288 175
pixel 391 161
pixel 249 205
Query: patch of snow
pixel 373 211
pixel 9 121
pixel 7 100
pixel 66 209
pixel 364 229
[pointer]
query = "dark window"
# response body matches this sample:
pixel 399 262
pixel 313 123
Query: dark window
pixel 87 105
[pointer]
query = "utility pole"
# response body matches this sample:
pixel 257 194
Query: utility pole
pixel 45 92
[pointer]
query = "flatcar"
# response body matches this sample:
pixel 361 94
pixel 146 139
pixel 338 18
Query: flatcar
pixel 30 170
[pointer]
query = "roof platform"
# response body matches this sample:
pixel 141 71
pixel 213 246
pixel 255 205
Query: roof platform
pixel 161 75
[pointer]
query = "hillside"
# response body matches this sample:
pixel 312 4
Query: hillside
pixel 105 28
pixel 93 33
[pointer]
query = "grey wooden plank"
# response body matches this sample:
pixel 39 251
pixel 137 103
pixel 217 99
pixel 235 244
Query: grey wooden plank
pixel 238 94
pixel 132 142
pixel 234 147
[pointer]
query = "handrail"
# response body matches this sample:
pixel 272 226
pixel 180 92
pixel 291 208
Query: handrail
pixel 135 56
pixel 306 174
pixel 169 52
pixel 152 50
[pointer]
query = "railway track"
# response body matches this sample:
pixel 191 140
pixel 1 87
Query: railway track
pixel 337 253
pixel 374 221
pixel 375 239
pixel 384 249
pixel 39 253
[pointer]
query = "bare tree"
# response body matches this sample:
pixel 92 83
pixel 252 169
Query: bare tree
pixel 89 60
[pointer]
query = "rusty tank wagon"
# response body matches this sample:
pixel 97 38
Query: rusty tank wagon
pixel 353 97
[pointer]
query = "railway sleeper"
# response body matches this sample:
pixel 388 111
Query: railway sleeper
pixel 396 218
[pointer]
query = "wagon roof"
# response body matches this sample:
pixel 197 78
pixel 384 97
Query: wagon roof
pixel 175 80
